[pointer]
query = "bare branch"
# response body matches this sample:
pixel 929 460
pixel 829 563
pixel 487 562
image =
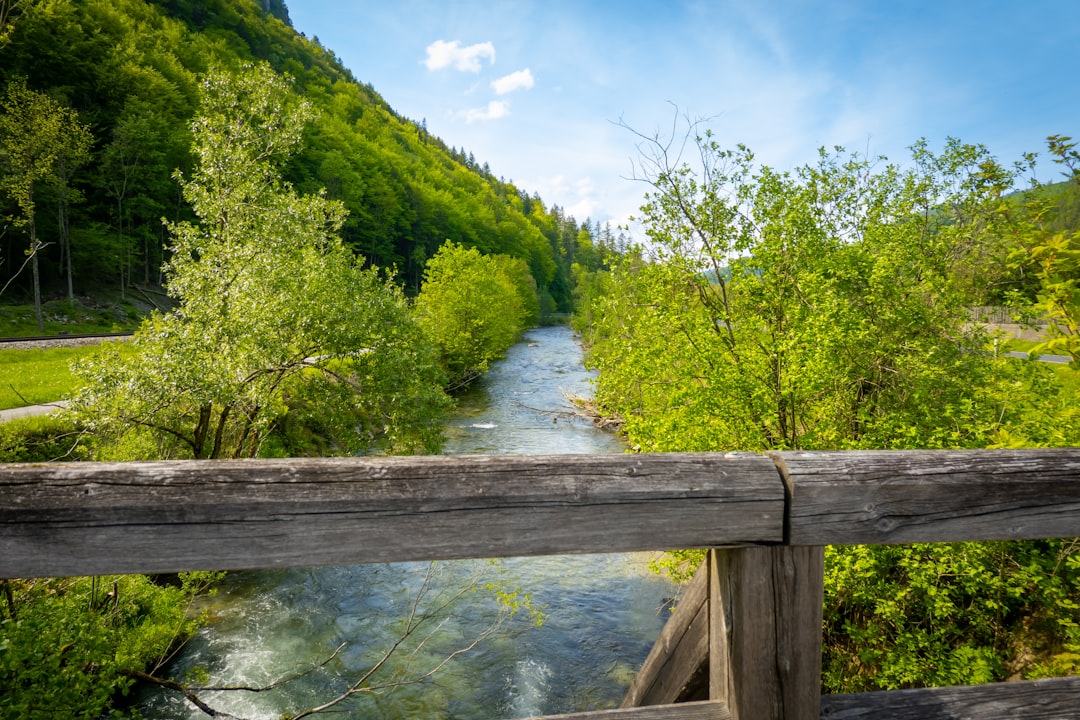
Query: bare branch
pixel 29 257
pixel 426 607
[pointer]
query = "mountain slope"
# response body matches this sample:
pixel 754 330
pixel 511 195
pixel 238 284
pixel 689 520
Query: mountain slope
pixel 130 68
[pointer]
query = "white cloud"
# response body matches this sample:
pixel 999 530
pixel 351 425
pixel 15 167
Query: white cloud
pixel 442 54
pixel 494 110
pixel 585 204
pixel 520 80
pixel 576 198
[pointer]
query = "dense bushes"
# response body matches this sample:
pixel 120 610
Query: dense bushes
pixel 913 615
pixel 40 439
pixel 69 645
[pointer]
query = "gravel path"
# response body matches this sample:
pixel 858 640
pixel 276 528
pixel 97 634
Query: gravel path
pixel 58 342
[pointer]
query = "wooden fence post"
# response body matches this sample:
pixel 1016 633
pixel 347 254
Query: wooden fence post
pixel 765 606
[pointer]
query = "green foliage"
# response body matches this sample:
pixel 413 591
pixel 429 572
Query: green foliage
pixel 967 613
pixel 1046 245
pixel 516 271
pixel 813 309
pixel 45 438
pixel 679 565
pixel 67 646
pixel 273 311
pixel 40 140
pixel 31 137
pixel 473 307
pixel 825 308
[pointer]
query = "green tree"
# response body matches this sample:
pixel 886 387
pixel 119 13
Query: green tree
pixel 807 309
pixel 825 308
pixel 134 170
pixel 517 272
pixel 472 309
pixel 37 135
pixel 1051 253
pixel 273 311
pixel 72 154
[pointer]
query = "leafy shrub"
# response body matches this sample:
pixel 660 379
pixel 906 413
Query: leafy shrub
pixel 901 616
pixel 473 307
pixel 68 645
pixel 43 438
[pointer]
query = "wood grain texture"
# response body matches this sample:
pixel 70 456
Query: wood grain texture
pixel 678 653
pixel 683 711
pixel 721 677
pixel 104 518
pixel 770 660
pixel 876 497
pixel 1054 699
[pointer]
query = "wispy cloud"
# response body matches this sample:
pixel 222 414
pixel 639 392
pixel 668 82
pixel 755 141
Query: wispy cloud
pixel 495 109
pixel 442 54
pixel 520 80
pixel 577 198
pixel 586 204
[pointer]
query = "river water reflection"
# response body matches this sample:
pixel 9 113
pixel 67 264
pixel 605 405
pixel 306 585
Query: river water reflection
pixel 601 613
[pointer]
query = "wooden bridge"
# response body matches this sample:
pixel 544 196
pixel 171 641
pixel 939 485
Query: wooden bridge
pixel 745 641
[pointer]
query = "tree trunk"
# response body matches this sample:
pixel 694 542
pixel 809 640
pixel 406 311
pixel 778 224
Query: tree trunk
pixel 120 239
pixel 37 277
pixel 202 429
pixel 65 240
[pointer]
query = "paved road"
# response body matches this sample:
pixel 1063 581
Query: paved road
pixel 1059 359
pixel 31 410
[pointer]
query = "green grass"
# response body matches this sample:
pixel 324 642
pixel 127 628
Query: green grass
pixel 45 438
pixel 30 377
pixel 1070 379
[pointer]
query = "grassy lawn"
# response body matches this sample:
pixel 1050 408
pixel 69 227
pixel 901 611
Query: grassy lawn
pixel 38 376
pixel 30 377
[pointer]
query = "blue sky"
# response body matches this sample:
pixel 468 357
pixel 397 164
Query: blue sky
pixel 537 89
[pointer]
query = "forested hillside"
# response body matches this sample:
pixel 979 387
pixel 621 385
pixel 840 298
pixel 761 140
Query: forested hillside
pixel 125 71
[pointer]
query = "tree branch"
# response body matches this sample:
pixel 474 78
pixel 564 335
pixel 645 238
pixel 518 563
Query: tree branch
pixel 419 617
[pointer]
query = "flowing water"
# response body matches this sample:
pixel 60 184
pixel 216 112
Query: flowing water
pixel 600 613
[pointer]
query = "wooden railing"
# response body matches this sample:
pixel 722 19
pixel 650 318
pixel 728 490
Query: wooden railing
pixel 745 641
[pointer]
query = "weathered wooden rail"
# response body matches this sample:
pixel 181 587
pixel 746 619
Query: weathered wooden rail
pixel 745 641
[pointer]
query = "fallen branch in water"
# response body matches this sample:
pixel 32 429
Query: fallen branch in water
pixel 582 408
pixel 586 407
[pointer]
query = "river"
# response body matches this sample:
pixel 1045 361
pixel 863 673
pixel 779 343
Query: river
pixel 600 613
